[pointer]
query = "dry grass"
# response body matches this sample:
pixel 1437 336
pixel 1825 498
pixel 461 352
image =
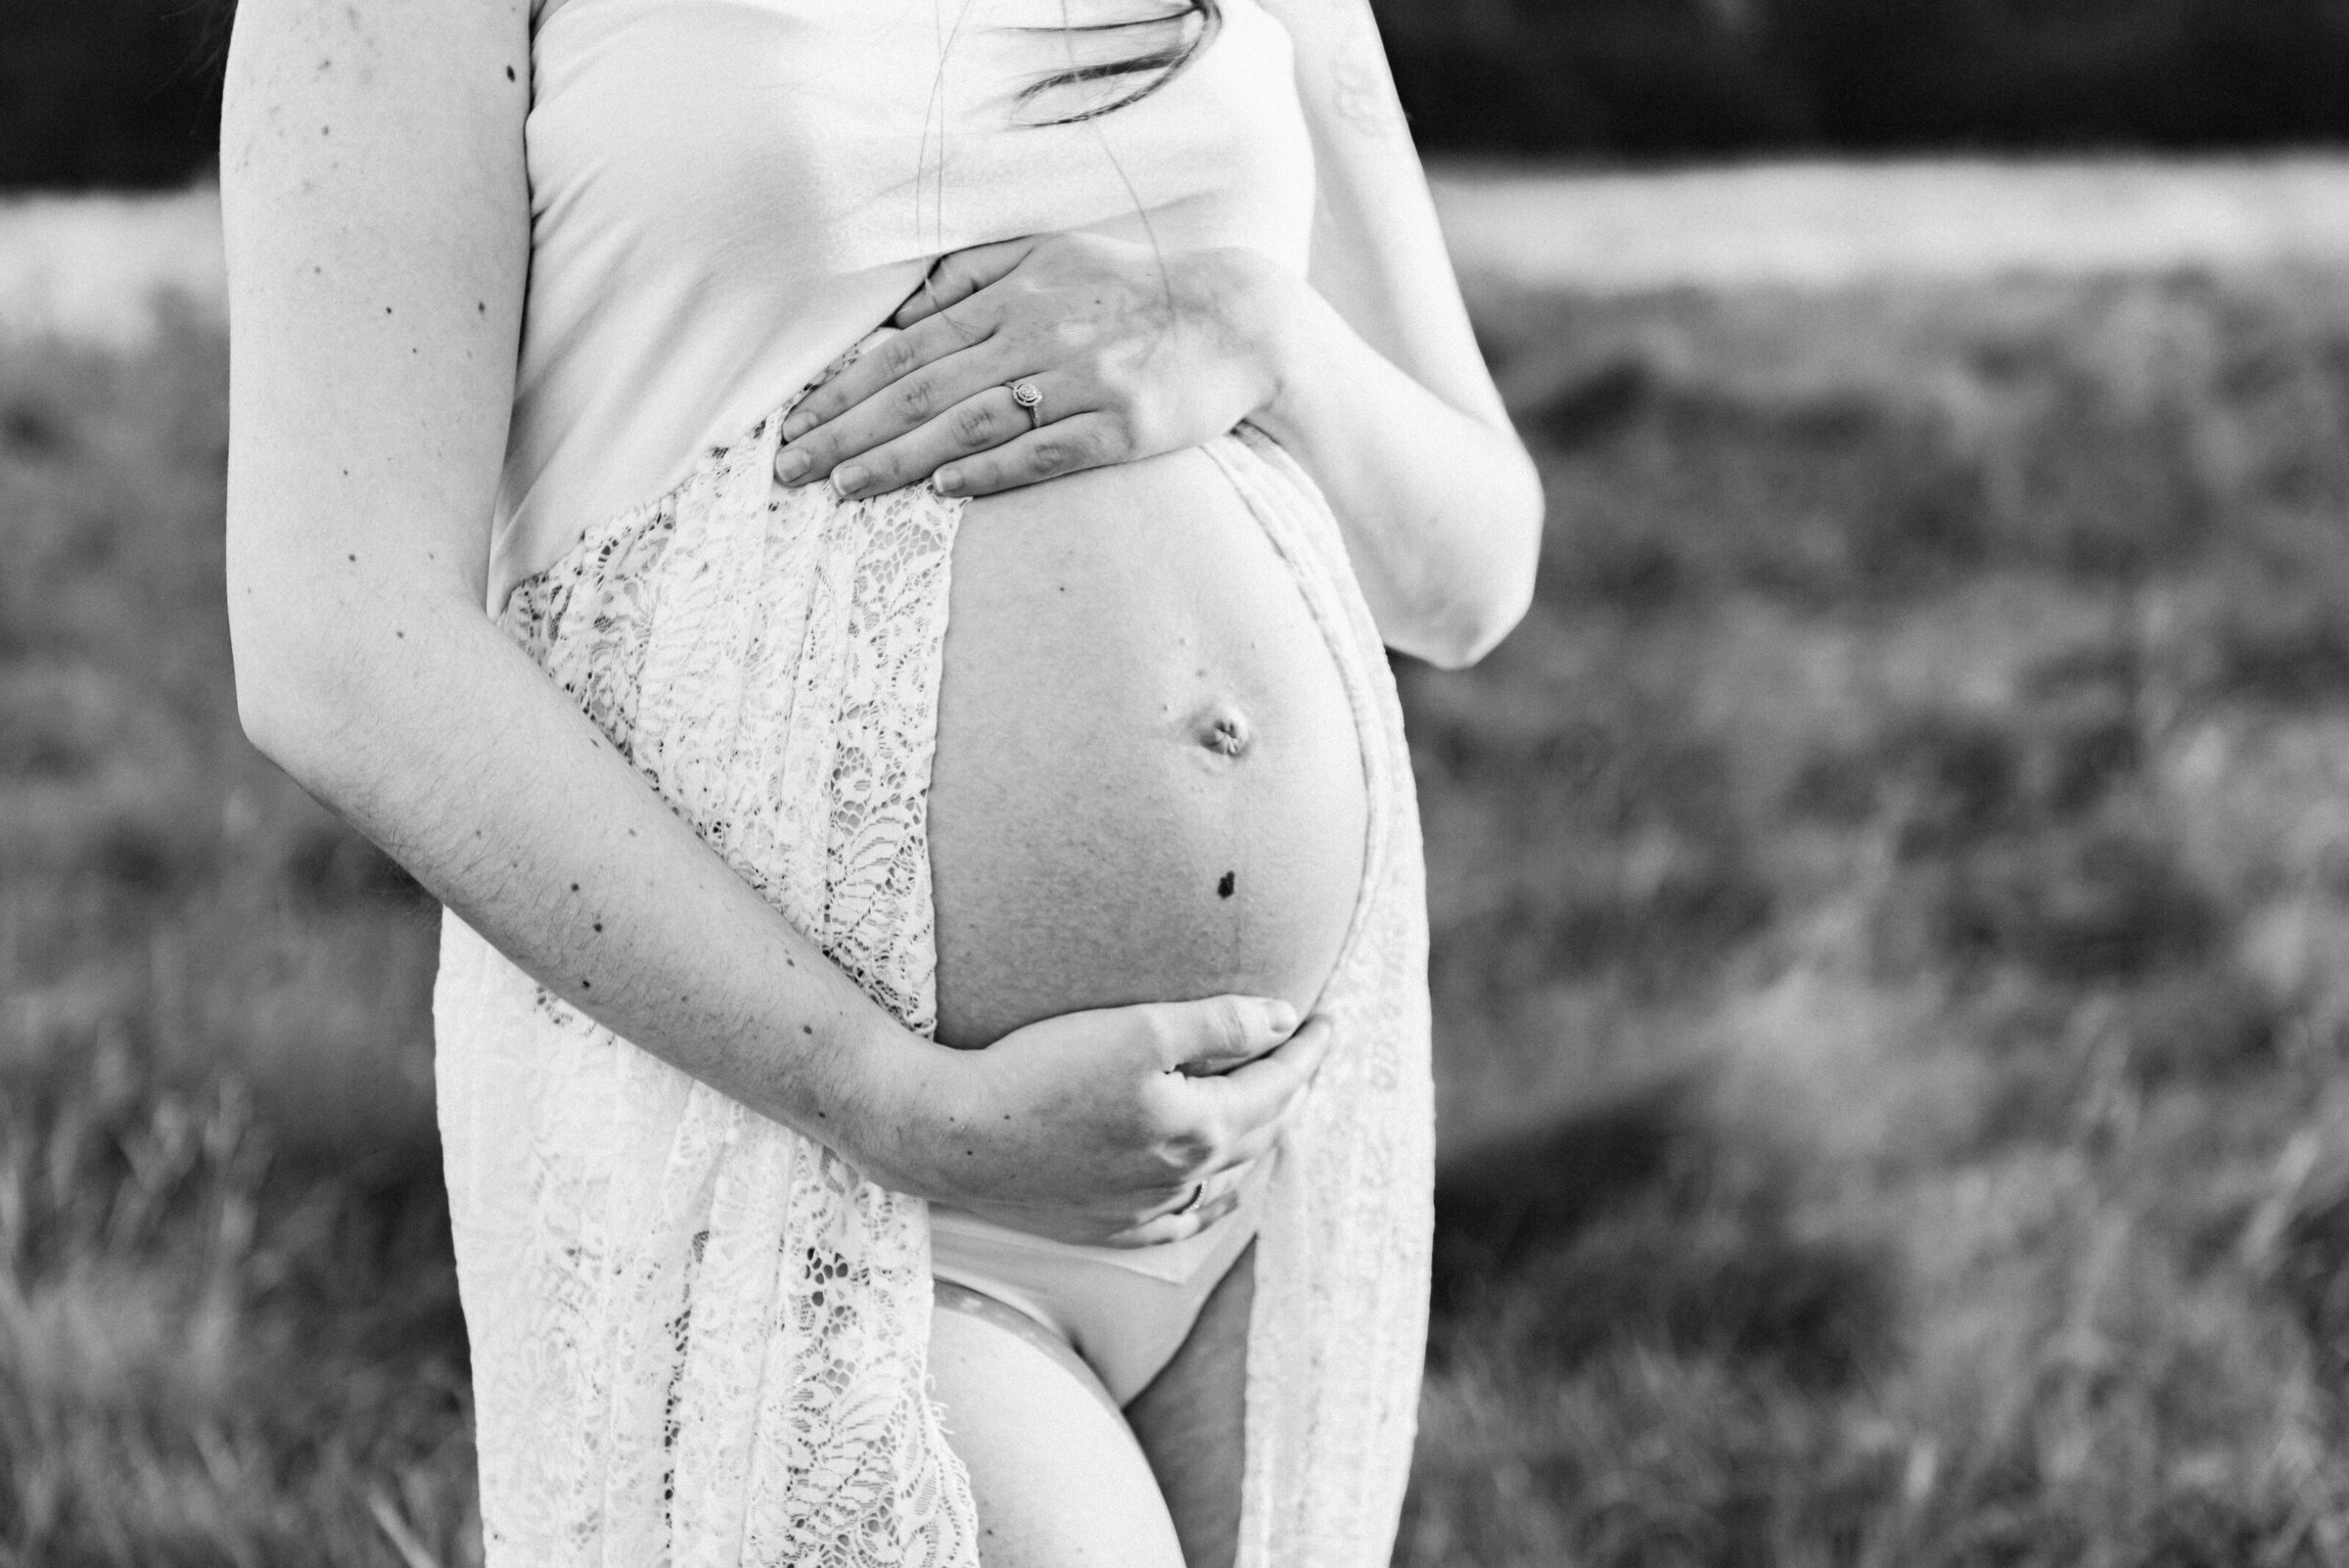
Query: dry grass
pixel 228 1327
pixel 1890 936
pixel 1891 918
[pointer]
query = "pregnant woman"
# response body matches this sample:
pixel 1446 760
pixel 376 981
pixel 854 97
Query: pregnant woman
pixel 849 543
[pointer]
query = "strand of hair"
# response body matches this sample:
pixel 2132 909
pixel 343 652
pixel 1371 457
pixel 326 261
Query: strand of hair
pixel 1169 63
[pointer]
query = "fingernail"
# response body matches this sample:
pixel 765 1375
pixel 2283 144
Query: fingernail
pixel 792 467
pixel 949 480
pixel 797 426
pixel 849 480
pixel 1280 1018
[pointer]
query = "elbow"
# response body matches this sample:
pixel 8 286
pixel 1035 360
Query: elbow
pixel 285 709
pixel 331 665
pixel 1491 598
pixel 279 728
pixel 1481 636
pixel 303 690
pixel 1474 629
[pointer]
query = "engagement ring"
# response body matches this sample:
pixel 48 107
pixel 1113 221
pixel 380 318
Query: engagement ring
pixel 1026 395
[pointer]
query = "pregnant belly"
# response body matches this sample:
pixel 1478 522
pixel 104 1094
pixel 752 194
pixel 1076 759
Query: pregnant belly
pixel 1147 784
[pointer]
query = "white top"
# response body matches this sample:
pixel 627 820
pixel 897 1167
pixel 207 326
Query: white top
pixel 725 194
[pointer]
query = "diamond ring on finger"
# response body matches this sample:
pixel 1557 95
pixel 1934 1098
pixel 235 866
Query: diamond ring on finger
pixel 1028 396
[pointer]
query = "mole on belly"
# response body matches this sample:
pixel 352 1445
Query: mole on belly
pixel 1222 729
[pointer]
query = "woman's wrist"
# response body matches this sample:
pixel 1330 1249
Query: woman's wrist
pixel 1439 506
pixel 1257 309
pixel 873 1107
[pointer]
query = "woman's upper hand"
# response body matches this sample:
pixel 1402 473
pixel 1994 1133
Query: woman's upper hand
pixel 1127 1126
pixel 1134 353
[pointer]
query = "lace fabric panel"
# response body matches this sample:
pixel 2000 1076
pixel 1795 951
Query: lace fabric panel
pixel 1339 1335
pixel 699 1338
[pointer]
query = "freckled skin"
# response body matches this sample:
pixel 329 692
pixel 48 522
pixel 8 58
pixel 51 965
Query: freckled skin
pixel 1148 785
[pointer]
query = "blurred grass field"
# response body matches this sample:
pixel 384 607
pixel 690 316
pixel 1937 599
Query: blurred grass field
pixel 1892 968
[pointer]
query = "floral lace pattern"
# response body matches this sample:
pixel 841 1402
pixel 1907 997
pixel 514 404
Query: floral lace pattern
pixel 699 1338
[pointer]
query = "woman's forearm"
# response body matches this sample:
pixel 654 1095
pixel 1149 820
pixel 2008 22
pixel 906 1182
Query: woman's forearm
pixel 404 709
pixel 378 229
pixel 1441 510
pixel 437 738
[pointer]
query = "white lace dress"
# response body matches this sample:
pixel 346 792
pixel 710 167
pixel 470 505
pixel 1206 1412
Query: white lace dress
pixel 699 1338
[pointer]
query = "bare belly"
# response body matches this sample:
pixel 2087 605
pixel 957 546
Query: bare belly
pixel 1147 784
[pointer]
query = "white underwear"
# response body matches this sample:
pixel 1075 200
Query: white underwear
pixel 1125 1311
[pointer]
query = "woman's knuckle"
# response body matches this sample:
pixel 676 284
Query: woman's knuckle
pixel 1157 1115
pixel 1148 1039
pixel 974 423
pixel 916 397
pixel 1026 340
pixel 1178 1129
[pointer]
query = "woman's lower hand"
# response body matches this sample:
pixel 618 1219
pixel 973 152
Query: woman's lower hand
pixel 1127 1126
pixel 1125 352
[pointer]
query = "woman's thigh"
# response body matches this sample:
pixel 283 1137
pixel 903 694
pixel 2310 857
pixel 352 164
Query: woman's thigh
pixel 1059 1480
pixel 1192 1421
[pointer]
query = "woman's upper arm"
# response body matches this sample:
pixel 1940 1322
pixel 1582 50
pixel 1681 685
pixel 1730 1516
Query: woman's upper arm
pixel 377 225
pixel 1378 255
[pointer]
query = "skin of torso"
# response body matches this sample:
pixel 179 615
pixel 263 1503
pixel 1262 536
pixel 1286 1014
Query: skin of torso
pixel 1085 812
pixel 1147 784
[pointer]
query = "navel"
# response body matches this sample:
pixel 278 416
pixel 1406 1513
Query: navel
pixel 1222 729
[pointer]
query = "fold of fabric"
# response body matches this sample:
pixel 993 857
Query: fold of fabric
pixel 699 1338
